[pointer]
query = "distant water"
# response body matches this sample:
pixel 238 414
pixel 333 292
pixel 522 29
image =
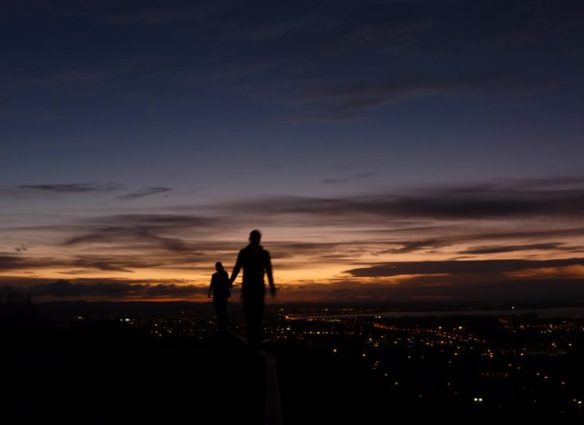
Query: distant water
pixel 545 313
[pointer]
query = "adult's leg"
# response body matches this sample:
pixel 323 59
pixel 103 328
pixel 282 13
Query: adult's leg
pixel 253 310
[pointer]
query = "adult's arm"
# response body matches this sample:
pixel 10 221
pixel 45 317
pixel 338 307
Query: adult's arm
pixel 236 269
pixel 270 274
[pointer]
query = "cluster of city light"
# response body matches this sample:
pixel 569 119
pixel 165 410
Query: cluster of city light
pixel 369 340
pixel 456 342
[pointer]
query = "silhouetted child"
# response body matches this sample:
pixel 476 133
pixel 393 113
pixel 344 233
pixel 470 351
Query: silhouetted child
pixel 221 288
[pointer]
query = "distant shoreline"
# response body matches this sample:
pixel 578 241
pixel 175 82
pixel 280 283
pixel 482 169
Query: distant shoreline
pixel 307 310
pixel 550 312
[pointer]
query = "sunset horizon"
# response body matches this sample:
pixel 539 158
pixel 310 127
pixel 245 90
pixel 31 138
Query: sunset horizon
pixel 449 243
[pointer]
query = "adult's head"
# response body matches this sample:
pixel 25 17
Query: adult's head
pixel 255 237
pixel 218 266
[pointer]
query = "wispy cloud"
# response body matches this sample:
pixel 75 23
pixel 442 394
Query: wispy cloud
pixel 129 236
pixel 25 191
pixel 352 98
pixel 432 289
pixel 499 249
pixel 349 179
pixel 112 289
pixel 460 203
pixel 469 267
pixel 142 193
pixel 64 188
pixel 113 262
pixel 405 247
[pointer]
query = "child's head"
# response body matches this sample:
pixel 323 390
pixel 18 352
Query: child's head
pixel 255 237
pixel 218 266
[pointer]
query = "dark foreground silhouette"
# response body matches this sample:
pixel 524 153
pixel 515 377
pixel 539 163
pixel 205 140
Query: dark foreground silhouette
pixel 105 374
pixel 256 262
pixel 220 287
pixel 98 371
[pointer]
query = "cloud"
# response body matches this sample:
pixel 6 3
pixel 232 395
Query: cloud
pixel 119 290
pixel 136 235
pixel 349 179
pixel 142 193
pixel 113 262
pixel 32 190
pixel 541 183
pixel 460 203
pixel 499 249
pixel 143 232
pixel 340 99
pixel 533 233
pixel 464 234
pixel 71 188
pixel 158 221
pixel 349 99
pixel 27 191
pixel 469 267
pixel 8 262
pixel 432 290
pixel 319 252
pixel 420 36
pixel 105 264
pixel 125 242
pixel 416 245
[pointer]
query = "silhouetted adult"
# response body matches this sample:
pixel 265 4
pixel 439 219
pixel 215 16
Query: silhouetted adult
pixel 256 262
pixel 220 286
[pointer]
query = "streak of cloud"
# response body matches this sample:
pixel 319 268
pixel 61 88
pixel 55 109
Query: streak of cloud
pixel 143 193
pixel 469 267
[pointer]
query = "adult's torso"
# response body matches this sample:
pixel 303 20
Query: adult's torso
pixel 254 261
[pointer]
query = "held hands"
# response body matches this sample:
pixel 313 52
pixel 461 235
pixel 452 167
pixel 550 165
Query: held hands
pixel 273 291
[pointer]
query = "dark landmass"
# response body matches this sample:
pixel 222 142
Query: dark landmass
pixel 104 363
pixel 108 374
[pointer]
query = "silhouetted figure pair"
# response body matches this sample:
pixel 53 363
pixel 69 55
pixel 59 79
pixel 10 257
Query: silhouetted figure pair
pixel 221 288
pixel 256 263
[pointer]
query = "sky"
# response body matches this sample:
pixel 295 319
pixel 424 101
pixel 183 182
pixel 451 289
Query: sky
pixel 398 150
